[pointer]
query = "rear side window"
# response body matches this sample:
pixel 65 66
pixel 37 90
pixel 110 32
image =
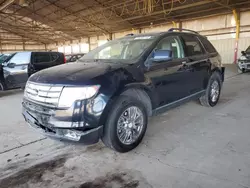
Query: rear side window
pixel 208 46
pixel 42 57
pixel 54 56
pixel 192 45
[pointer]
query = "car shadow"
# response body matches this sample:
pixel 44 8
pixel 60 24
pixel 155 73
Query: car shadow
pixel 10 92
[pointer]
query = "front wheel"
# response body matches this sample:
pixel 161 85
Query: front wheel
pixel 2 86
pixel 241 70
pixel 126 124
pixel 213 91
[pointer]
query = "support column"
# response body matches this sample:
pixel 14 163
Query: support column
pixel 45 47
pixel 1 48
pixel 174 24
pixel 89 43
pixel 237 22
pixel 23 45
pixel 180 25
pixel 139 30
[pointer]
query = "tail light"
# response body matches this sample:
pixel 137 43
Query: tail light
pixel 64 58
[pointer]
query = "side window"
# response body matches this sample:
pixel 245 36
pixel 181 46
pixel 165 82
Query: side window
pixel 193 45
pixel 42 57
pixel 172 44
pixel 208 46
pixel 21 58
pixel 54 56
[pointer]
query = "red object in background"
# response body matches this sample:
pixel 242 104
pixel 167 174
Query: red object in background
pixel 64 58
pixel 236 52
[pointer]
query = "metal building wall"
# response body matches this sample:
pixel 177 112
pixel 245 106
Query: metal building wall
pixel 225 47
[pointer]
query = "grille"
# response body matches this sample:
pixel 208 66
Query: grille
pixel 45 94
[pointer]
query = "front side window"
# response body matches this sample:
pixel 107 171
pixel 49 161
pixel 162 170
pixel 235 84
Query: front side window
pixel 127 48
pixel 173 45
pixel 21 58
pixel 193 46
pixel 42 58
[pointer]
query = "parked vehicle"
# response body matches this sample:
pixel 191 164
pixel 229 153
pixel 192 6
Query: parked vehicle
pixel 73 57
pixel 112 90
pixel 19 66
pixel 244 61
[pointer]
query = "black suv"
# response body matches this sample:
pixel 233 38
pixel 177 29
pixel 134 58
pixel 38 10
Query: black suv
pixel 16 69
pixel 111 91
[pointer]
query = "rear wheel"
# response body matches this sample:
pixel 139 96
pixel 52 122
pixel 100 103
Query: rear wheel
pixel 126 124
pixel 213 91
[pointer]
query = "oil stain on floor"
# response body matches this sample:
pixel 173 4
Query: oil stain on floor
pixel 117 180
pixel 33 174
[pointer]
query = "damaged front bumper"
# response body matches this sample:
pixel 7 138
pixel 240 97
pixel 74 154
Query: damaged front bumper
pixel 45 121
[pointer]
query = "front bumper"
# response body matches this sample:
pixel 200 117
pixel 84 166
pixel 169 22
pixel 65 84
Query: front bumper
pixel 244 64
pixel 40 117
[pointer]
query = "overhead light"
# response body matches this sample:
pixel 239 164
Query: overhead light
pixel 23 3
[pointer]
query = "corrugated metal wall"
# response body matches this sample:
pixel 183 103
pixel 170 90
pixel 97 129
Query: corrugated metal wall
pixel 225 47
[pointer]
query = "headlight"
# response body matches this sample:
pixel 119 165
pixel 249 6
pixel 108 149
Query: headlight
pixel 70 94
pixel 243 58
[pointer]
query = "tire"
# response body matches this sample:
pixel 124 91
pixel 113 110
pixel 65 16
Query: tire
pixel 207 99
pixel 2 86
pixel 241 70
pixel 111 128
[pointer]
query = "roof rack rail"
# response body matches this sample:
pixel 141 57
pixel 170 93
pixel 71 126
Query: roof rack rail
pixel 130 34
pixel 179 29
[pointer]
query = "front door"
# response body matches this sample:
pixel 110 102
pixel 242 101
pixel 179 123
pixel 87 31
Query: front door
pixel 16 70
pixel 171 77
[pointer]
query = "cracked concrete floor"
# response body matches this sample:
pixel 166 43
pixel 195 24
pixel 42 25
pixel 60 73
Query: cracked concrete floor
pixel 189 146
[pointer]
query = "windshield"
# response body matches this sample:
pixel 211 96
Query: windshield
pixel 248 50
pixel 121 49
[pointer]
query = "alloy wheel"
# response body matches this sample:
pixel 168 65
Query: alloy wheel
pixel 215 91
pixel 130 125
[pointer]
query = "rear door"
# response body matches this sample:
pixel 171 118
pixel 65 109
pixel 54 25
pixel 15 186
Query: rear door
pixel 198 62
pixel 16 69
pixel 40 61
pixel 43 60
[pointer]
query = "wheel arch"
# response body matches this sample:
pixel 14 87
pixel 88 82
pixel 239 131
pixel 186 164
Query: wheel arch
pixel 137 91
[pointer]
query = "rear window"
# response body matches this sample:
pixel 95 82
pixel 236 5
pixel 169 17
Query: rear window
pixel 42 57
pixel 208 46
pixel 193 45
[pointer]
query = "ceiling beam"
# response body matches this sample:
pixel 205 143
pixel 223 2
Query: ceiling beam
pixel 6 4
pixel 167 10
pixel 80 17
pixel 222 4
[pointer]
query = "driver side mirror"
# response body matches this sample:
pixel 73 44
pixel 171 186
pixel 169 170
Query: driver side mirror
pixel 243 52
pixel 11 65
pixel 162 55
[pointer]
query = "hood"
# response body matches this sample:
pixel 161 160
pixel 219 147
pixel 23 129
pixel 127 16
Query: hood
pixel 73 73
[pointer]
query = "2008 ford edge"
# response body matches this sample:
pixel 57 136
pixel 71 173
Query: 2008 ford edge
pixel 110 92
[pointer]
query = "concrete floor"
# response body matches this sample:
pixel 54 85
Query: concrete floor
pixel 189 146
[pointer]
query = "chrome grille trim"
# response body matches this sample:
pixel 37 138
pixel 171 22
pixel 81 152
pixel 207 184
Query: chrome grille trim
pixel 43 93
